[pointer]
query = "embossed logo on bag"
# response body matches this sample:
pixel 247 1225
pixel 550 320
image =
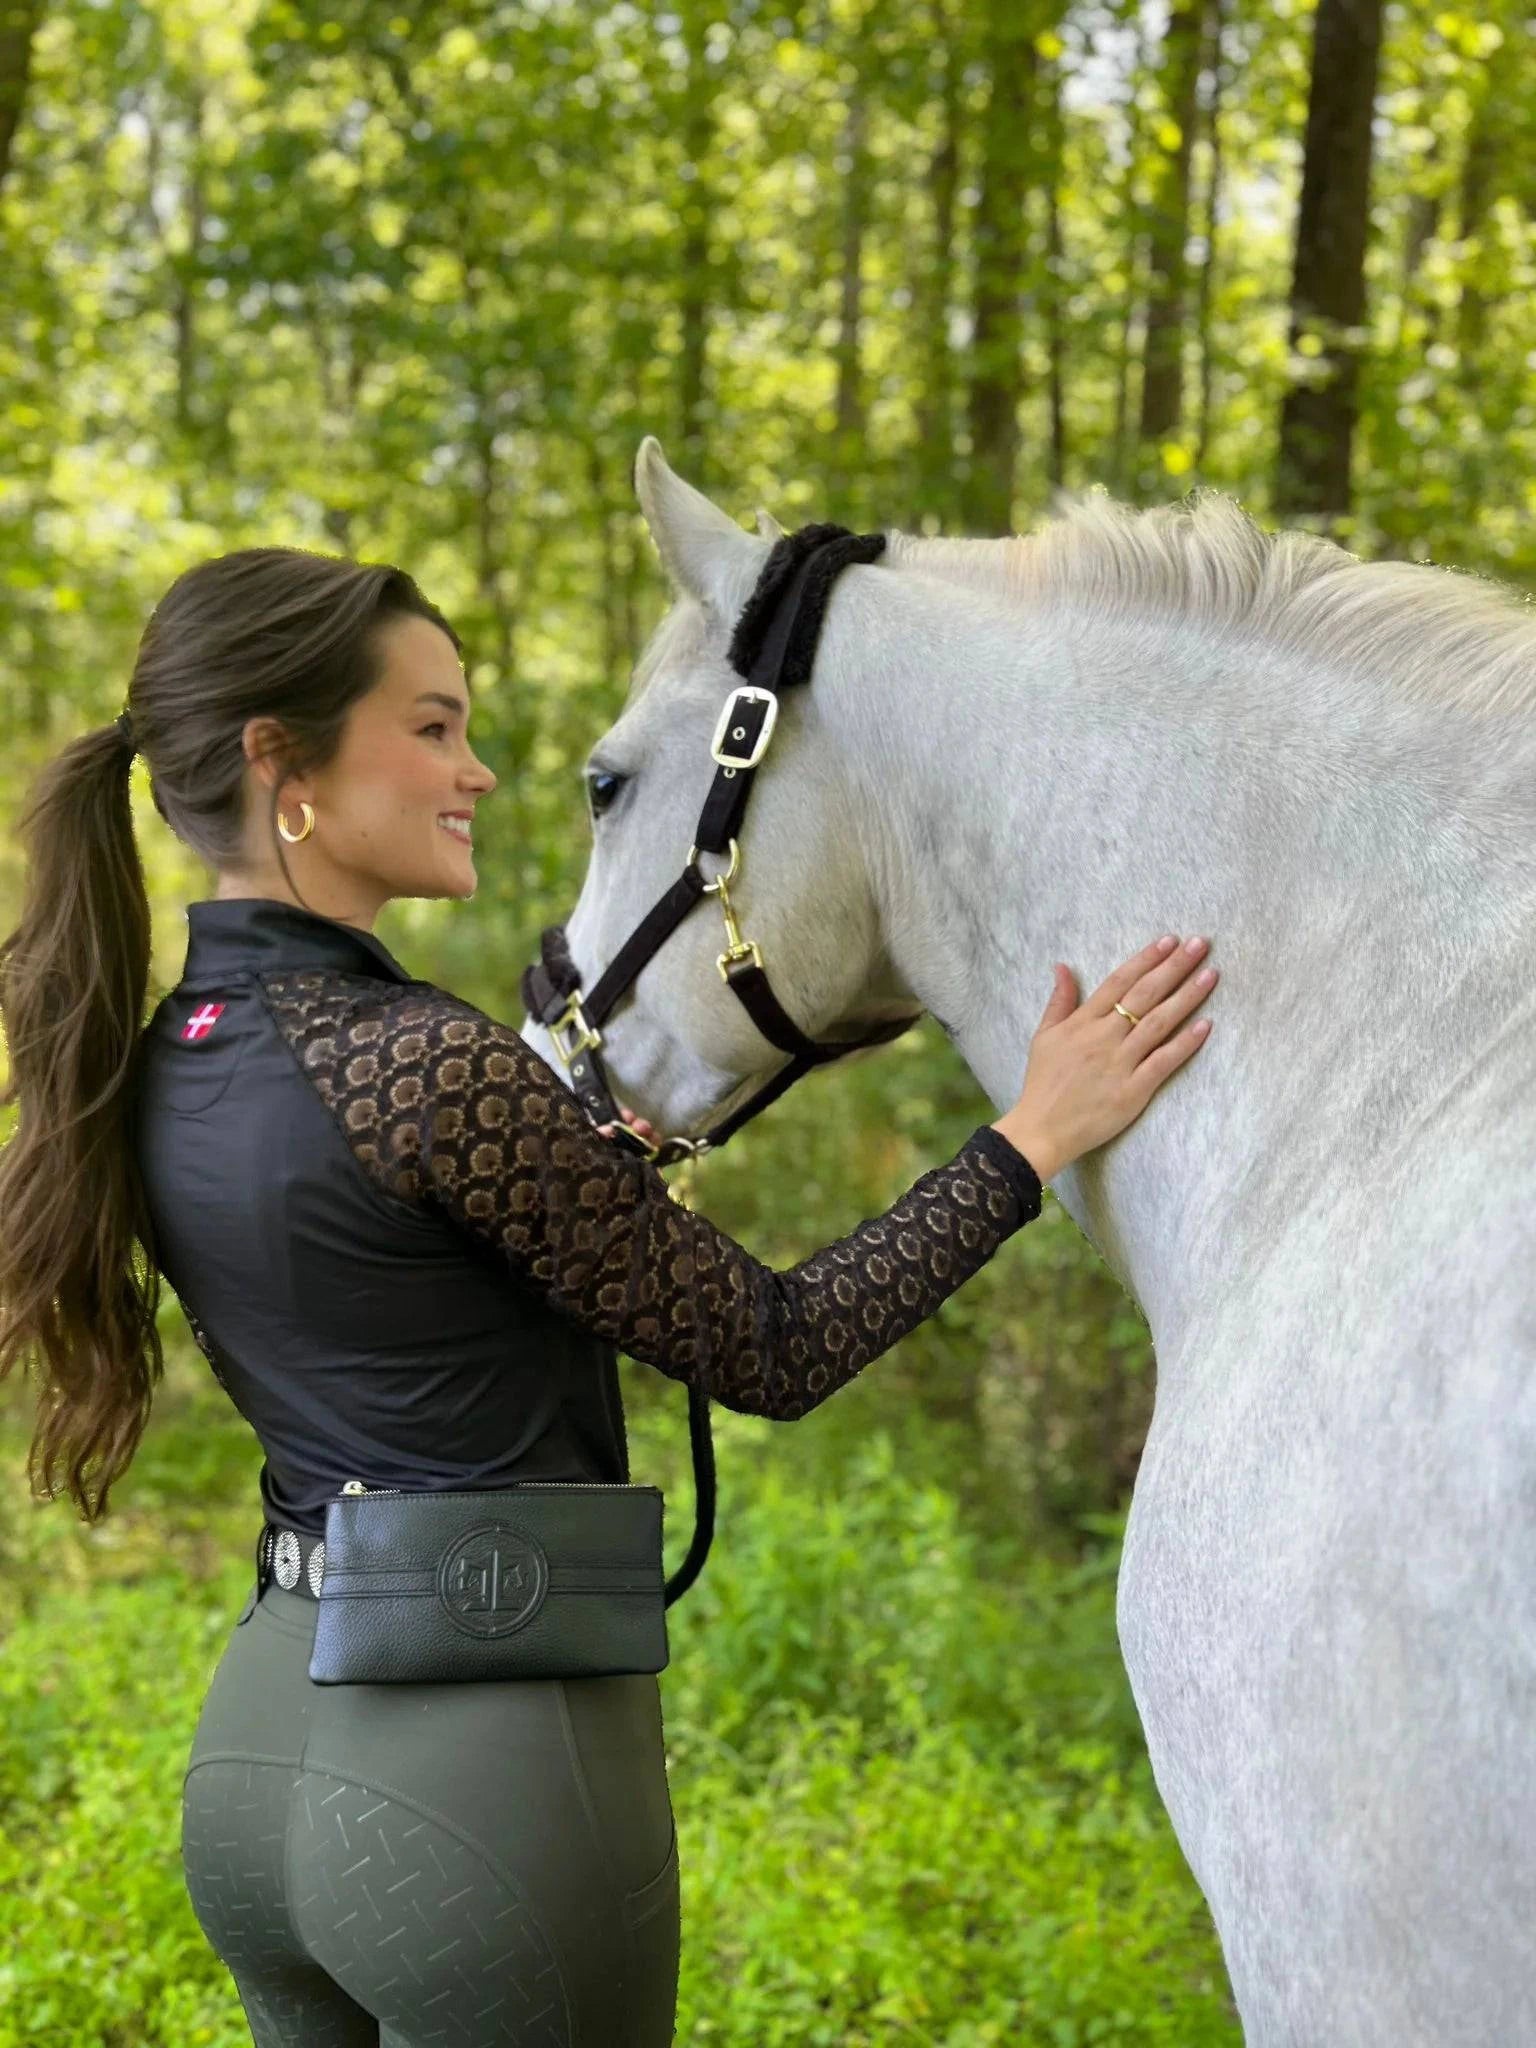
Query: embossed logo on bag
pixel 491 1580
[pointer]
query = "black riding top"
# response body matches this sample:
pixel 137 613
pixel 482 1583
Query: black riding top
pixel 410 1259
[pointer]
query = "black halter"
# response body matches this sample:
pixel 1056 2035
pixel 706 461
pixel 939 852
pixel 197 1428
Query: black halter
pixel 774 647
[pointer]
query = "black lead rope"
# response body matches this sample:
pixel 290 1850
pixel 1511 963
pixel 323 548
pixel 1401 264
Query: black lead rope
pixel 702 1444
pixel 773 646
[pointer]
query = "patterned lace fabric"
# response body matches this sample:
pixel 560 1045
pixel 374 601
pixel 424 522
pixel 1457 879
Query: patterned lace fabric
pixel 443 1105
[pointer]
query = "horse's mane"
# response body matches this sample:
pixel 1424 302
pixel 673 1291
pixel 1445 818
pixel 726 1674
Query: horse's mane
pixel 1446 636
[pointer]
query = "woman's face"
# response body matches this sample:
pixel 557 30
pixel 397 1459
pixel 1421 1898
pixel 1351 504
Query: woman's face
pixel 404 766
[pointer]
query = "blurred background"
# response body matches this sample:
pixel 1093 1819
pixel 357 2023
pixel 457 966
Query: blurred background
pixel 412 286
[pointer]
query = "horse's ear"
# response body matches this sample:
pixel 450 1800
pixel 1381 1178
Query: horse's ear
pixel 768 527
pixel 706 554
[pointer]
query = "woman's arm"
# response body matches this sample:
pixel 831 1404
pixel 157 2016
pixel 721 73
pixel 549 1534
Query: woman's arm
pixel 465 1117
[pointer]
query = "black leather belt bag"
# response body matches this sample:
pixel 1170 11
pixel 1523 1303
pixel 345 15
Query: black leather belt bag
pixel 547 1579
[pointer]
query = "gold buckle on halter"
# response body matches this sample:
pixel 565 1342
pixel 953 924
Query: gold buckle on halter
pixel 717 747
pixel 573 1018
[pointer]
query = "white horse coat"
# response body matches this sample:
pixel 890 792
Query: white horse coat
pixel 1057 747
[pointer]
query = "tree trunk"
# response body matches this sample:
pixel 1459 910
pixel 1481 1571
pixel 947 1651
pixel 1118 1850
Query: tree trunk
pixel 1423 223
pixel 936 402
pixel 694 277
pixel 1055 292
pixel 1478 185
pixel 1162 381
pixel 1128 348
pixel 492 538
pixel 185 268
pixel 338 424
pixel 609 594
pixel 635 567
pixel 1206 287
pixel 850 369
pixel 997 371
pixel 1317 418
pixel 19 20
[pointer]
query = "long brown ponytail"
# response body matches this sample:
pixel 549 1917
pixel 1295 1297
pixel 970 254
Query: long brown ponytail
pixel 262 632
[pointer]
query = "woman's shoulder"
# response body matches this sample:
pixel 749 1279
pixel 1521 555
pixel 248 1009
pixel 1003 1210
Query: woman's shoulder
pixel 332 993
pixel 333 1018
pixel 407 1069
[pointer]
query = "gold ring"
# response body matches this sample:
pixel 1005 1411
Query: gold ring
pixel 1126 1013
pixel 713 888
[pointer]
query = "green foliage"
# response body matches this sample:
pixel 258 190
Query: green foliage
pixel 871 1599
pixel 414 283
pixel 935 1896
pixel 912 1797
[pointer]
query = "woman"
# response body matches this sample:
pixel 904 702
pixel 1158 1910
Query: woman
pixel 410 1261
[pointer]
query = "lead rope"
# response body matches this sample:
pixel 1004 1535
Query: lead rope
pixel 700 1442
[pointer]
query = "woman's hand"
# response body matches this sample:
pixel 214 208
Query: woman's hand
pixel 1091 1071
pixel 637 1124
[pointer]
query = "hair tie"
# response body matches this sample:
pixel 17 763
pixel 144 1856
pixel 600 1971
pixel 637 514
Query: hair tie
pixel 125 726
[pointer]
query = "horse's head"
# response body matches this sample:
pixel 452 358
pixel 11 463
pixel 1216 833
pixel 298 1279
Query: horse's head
pixel 681 1048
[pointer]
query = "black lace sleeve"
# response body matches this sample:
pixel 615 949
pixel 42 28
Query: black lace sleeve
pixel 443 1105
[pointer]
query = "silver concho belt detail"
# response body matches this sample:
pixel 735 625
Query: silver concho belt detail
pixel 285 1560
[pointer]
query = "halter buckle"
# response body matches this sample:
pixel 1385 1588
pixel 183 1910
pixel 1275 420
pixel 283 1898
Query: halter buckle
pixel 573 1018
pixel 752 694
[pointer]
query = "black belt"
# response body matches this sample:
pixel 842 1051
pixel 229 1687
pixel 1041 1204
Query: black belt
pixel 296 1562
pixel 290 1559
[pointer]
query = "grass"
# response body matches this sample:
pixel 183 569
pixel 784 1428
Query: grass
pixel 913 1801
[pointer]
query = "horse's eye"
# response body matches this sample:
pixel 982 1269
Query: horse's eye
pixel 602 787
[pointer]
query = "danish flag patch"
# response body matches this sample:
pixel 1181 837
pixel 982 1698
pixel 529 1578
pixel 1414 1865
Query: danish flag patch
pixel 202 1021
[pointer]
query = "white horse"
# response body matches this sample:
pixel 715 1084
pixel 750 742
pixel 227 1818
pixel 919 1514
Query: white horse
pixel 1055 747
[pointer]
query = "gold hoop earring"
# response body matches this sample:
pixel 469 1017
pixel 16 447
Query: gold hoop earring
pixel 293 838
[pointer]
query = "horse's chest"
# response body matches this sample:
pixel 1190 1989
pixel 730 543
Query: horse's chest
pixel 1219 1567
pixel 1327 1607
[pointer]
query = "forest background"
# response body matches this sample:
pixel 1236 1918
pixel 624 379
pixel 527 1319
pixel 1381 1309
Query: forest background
pixel 412 286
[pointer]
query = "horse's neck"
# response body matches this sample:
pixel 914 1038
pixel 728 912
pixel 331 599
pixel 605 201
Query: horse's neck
pixel 1024 800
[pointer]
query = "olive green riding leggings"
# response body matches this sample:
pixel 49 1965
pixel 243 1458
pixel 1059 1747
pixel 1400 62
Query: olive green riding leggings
pixel 388 1866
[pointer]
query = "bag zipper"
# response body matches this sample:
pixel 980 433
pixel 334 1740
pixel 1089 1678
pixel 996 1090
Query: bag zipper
pixel 353 1487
